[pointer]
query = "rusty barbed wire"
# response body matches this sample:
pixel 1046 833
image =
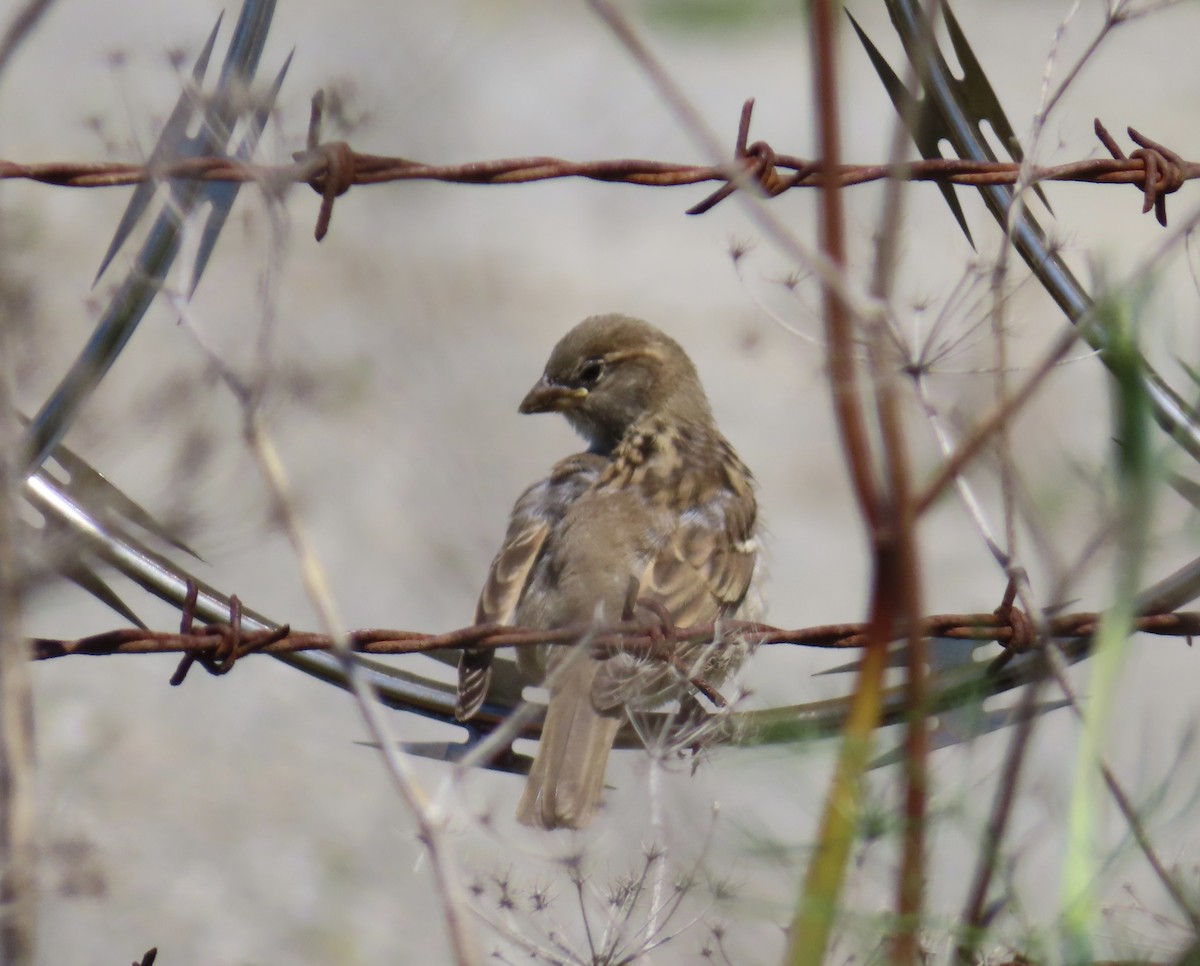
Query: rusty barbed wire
pixel 333 168
pixel 220 645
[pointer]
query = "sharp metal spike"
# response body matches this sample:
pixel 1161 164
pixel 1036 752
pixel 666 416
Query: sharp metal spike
pixel 173 136
pixel 92 489
pixel 246 45
pixel 922 122
pixel 57 553
pixel 963 725
pixel 1191 371
pixel 945 653
pixel 221 195
pixel 974 93
pixel 1186 488
pixel 142 283
pixel 89 580
pixel 981 96
pixel 510 762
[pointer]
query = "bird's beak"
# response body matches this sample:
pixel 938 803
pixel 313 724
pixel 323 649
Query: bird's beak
pixel 551 397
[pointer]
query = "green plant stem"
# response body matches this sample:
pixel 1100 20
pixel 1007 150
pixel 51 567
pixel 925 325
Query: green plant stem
pixel 813 921
pixel 1134 464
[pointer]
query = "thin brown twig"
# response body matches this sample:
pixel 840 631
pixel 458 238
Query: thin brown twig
pixel 878 473
pixel 998 417
pixel 911 879
pixel 1129 813
pixel 1034 632
pixel 18 815
pixel 18 882
pixel 18 862
pixel 975 912
pixel 20 27
pixel 234 642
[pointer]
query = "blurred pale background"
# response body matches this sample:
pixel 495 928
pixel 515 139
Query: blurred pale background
pixel 235 820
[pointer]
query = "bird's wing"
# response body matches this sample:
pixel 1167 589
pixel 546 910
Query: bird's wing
pixel 702 571
pixel 538 510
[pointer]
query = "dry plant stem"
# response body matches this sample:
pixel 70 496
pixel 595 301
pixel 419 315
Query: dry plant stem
pixel 973 924
pixel 966 493
pixel 1050 101
pixel 1000 416
pixel 455 907
pixel 20 27
pixel 1003 433
pixel 816 262
pixel 973 911
pixel 1005 410
pixel 18 884
pixel 839 334
pixel 1015 214
pixel 1000 272
pixel 910 886
pixel 18 879
pixel 1006 792
pixel 972 920
pixel 972 917
pixel 454 900
pixel 817 905
pixel 1116 15
pixel 1132 819
pixel 658 836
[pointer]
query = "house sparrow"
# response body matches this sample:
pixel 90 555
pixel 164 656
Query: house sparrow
pixel 659 501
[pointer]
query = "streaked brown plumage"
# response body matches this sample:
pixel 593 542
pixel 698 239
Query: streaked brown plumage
pixel 661 498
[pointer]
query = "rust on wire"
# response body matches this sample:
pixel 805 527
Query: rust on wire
pixel 331 169
pixel 1164 171
pixel 759 160
pixel 1022 635
pixel 219 646
pixel 224 643
pixel 187 616
pixel 333 164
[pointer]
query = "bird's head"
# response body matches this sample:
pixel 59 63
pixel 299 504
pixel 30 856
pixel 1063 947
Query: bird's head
pixel 610 373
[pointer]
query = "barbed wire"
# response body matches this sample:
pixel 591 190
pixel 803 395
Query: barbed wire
pixel 332 168
pixel 220 645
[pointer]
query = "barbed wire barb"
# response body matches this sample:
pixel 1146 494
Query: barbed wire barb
pixel 332 168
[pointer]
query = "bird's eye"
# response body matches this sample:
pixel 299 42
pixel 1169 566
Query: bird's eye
pixel 590 374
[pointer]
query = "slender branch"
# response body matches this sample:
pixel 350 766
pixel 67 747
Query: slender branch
pixel 889 526
pixel 18 883
pixel 911 881
pixel 975 909
pixel 455 908
pixel 429 819
pixel 20 27
pixel 1125 806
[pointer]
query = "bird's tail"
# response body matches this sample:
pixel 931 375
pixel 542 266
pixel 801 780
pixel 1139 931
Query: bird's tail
pixel 566 781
